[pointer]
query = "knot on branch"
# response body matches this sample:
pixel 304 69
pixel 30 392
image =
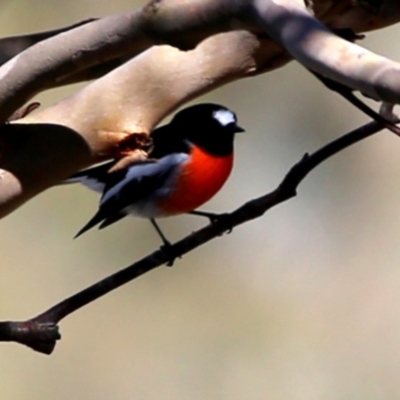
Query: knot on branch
pixel 135 141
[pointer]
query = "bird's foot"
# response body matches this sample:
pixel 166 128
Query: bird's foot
pixel 216 218
pixel 170 252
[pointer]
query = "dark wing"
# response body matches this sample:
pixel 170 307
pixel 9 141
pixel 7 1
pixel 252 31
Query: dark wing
pixel 135 183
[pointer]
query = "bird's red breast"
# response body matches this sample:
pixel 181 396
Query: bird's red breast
pixel 199 179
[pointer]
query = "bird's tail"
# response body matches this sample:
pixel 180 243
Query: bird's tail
pixel 105 221
pixel 98 217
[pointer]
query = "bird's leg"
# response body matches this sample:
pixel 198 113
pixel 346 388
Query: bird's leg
pixel 166 244
pixel 159 231
pixel 213 217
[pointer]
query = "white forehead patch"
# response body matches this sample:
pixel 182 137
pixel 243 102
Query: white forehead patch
pixel 224 117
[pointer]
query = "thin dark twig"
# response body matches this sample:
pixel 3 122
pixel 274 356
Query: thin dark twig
pixel 349 95
pixel 41 333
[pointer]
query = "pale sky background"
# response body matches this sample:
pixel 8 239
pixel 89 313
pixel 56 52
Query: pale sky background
pixel 301 304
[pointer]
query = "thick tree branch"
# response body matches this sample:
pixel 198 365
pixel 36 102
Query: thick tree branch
pixel 317 48
pixel 72 51
pixel 13 45
pixel 139 95
pixel 41 333
pixel 169 21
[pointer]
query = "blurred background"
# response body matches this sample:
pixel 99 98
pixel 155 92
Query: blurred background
pixel 301 304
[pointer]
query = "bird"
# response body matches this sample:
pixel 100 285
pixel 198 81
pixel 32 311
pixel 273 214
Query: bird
pixel 190 160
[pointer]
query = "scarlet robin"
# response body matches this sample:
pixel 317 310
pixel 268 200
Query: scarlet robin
pixel 191 159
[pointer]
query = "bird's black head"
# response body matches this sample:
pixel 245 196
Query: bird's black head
pixel 209 126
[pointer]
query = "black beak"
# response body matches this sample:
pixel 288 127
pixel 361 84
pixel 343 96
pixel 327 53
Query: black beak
pixel 239 129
